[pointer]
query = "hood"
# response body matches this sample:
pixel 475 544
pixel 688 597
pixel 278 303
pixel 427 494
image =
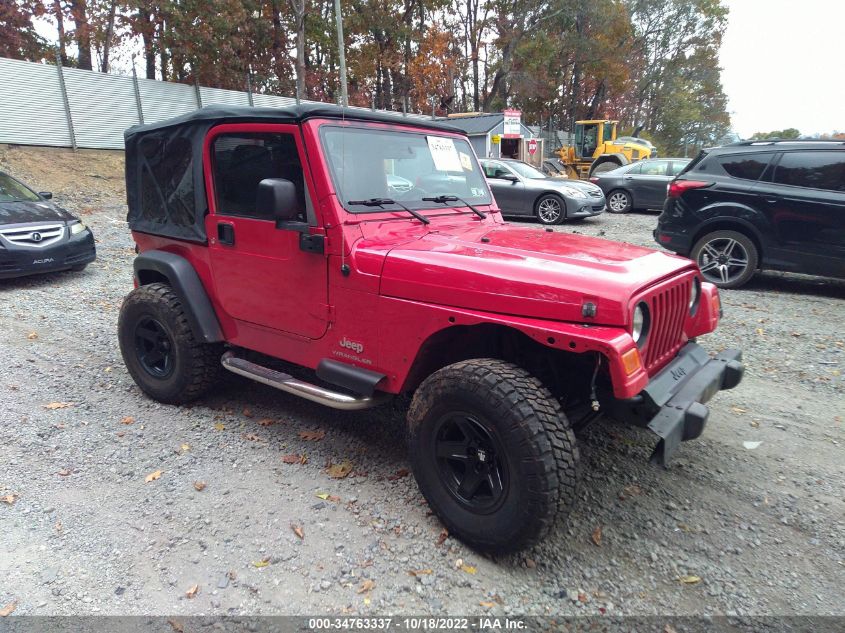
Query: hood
pixel 22 212
pixel 581 185
pixel 526 272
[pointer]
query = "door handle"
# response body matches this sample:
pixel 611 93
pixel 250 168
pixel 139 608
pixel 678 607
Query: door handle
pixel 772 199
pixel 226 234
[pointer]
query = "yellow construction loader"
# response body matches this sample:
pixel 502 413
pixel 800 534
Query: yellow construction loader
pixel 597 149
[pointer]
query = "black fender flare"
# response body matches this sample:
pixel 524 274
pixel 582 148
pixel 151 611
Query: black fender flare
pixel 182 277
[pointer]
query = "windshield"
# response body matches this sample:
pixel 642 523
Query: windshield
pixel 526 171
pixel 13 191
pixel 402 166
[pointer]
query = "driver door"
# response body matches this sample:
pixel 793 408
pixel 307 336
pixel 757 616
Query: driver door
pixel 510 194
pixel 261 273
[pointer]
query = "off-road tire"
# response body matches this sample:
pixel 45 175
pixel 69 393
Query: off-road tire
pixel 538 444
pixel 195 365
pixel 745 248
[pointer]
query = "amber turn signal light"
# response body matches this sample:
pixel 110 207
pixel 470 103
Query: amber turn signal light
pixel 631 361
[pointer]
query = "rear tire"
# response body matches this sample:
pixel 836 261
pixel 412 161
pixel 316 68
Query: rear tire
pixel 492 453
pixel 160 350
pixel 726 258
pixel 619 201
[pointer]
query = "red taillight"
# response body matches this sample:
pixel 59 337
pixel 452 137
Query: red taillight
pixel 594 179
pixel 677 187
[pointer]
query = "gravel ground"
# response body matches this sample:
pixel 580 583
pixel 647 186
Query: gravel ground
pixel 763 529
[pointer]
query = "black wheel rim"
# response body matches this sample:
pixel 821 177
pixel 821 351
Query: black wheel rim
pixel 723 260
pixel 153 348
pixel 471 463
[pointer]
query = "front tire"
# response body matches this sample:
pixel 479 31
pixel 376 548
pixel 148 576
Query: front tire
pixel 160 350
pixel 492 453
pixel 550 209
pixel 726 258
pixel 619 201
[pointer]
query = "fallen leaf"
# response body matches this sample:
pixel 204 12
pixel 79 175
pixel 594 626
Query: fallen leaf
pixel 58 405
pixel 9 499
pixel 444 534
pixel 199 486
pixel 322 495
pixel 219 426
pixel 669 629
pixel 190 593
pixel 128 420
pixel 261 563
pixel 251 437
pixel 633 490
pixel 8 608
pixel 739 410
pixel 247 412
pixel 32 336
pixel 366 586
pixel 367 600
pixel 597 536
pixel 530 563
pixel 176 626
pixel 59 527
pixel 339 471
pixel 298 530
pixel 487 605
pixel 751 445
pixel 266 422
pixel 294 458
pixel 689 580
pixel 420 572
pixel 152 476
pixel 334 498
pixel 582 598
pixel 64 472
pixel 312 436
pixel 402 472
pixel 469 569
pixel 755 423
pixel 185 448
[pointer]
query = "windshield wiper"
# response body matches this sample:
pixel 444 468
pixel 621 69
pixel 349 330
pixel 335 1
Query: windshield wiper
pixel 380 202
pixel 450 198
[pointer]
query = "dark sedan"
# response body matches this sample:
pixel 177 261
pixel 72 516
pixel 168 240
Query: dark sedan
pixel 523 190
pixel 38 236
pixel 639 185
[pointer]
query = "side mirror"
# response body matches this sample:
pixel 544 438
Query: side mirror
pixel 45 194
pixel 278 196
pixel 510 177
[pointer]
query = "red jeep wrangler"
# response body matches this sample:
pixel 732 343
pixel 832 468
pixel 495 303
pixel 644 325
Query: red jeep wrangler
pixel 366 252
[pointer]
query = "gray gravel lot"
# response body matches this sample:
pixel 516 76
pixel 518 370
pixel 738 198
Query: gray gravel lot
pixel 763 529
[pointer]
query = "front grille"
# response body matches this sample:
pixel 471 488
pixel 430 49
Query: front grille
pixel 668 309
pixel 35 236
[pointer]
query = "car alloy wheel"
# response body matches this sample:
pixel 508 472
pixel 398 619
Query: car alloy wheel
pixel 470 462
pixel 618 202
pixel 549 210
pixel 723 260
pixel 153 347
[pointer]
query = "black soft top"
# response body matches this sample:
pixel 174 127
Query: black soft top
pixel 165 190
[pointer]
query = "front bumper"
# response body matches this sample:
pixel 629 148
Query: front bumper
pixel 19 261
pixel 672 405
pixel 586 209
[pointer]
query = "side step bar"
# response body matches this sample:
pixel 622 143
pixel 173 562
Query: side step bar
pixel 289 384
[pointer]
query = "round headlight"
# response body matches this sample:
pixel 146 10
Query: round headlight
pixel 694 296
pixel 639 330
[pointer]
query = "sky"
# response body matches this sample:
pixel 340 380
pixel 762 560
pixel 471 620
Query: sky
pixel 782 65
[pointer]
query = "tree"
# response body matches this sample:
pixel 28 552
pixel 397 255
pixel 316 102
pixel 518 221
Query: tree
pixel 18 38
pixel 787 134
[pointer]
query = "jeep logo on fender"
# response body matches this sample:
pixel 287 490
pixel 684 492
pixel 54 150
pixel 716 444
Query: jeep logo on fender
pixel 355 347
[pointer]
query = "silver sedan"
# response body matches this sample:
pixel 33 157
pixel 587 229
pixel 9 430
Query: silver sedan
pixel 522 190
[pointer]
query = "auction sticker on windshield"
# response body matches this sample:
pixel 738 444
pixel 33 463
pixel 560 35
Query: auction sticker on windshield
pixel 444 154
pixel 466 161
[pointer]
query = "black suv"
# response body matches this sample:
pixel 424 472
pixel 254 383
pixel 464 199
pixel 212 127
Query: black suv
pixel 777 205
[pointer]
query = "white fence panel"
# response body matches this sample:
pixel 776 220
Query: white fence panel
pixel 102 107
pixel 32 111
pixel 164 100
pixel 218 96
pixel 271 101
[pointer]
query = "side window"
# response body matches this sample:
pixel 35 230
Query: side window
pixel 636 169
pixel 817 170
pixel 746 166
pixel 494 170
pixel 241 161
pixel 655 168
pixel 167 180
pixel 676 167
